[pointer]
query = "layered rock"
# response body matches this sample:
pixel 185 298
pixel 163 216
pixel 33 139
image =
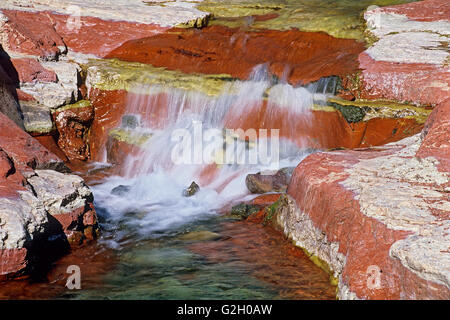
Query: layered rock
pixel 408 60
pixel 221 50
pixel 43 39
pixel 380 209
pixel 41 206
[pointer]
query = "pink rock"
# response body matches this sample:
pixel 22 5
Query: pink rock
pixel 428 10
pixel 30 70
pixel 373 218
pixel 31 34
pixel 436 141
pixel 410 82
pixel 12 261
pixel 25 151
pixel 43 33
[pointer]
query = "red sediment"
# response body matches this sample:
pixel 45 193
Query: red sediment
pixel 23 149
pixel 49 142
pixel 109 107
pixel 73 127
pixel 300 57
pixel 94 262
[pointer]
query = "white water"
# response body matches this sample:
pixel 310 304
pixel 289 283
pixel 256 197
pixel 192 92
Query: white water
pixel 155 203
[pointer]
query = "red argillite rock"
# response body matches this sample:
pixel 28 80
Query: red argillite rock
pixel 379 217
pixel 30 70
pixel 436 142
pixel 408 61
pixel 217 50
pixel 73 124
pixel 40 204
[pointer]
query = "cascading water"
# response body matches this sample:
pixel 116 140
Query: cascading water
pixel 152 201
pixel 172 246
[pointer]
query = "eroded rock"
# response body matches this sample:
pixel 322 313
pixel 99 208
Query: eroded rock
pixel 263 182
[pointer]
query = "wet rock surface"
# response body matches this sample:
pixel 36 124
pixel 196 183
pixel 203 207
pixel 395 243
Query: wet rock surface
pixel 263 182
pixel 191 190
pixel 211 52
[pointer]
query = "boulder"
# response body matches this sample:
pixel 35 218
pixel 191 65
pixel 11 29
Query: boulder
pixel 73 123
pixel 191 190
pixel 120 190
pixel 263 182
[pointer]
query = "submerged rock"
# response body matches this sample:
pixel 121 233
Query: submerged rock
pixel 202 235
pixel 243 210
pixel 269 182
pixel 120 190
pixel 191 190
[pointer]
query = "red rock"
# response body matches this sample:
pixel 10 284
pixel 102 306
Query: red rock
pixel 318 187
pixel 411 82
pixel 6 165
pixel 73 126
pixel 436 142
pixel 31 34
pixel 12 260
pixel 108 109
pixel 266 199
pixel 30 70
pixel 41 33
pixel 428 10
pixel 26 152
pixel 217 49
pixel 49 142
pixel 89 218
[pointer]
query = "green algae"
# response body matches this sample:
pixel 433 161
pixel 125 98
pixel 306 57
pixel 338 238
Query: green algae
pixel 114 74
pixel 271 218
pixel 130 137
pixel 78 104
pixel 339 18
pixel 364 110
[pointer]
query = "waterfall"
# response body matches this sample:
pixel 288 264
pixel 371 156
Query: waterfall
pixel 224 138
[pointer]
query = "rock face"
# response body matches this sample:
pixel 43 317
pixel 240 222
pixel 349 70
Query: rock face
pixel 409 59
pixel 70 24
pixel 220 50
pixel 378 217
pixel 40 205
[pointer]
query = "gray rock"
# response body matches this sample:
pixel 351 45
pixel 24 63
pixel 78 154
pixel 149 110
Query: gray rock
pixel 120 190
pixel 193 189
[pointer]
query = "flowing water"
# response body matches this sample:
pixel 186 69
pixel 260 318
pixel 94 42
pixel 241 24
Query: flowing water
pixel 172 246
pixel 157 243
